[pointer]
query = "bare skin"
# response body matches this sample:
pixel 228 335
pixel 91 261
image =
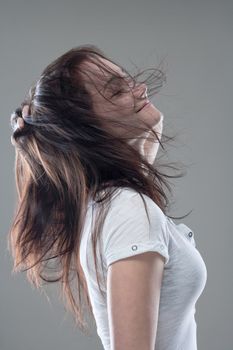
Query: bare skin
pixel 150 114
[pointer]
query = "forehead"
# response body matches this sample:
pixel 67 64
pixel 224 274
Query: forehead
pixel 100 68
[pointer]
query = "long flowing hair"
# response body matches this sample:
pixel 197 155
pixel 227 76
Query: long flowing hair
pixel 65 155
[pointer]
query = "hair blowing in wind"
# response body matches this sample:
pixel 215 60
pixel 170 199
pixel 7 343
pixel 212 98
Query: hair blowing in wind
pixel 65 154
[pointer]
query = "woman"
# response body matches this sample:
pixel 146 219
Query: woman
pixel 86 140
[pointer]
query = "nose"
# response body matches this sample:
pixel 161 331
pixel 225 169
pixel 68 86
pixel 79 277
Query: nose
pixel 140 90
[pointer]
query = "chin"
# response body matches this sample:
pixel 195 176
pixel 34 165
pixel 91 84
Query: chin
pixel 151 114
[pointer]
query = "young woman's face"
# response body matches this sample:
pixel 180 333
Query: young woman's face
pixel 119 97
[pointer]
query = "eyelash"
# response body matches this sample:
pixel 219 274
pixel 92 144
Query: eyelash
pixel 117 93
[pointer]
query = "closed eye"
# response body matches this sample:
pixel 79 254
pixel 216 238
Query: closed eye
pixel 118 81
pixel 119 92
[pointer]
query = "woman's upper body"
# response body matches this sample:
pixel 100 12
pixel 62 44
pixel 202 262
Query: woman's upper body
pixel 144 305
pixel 149 298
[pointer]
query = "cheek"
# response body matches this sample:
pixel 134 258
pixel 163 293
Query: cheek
pixel 116 106
pixel 127 105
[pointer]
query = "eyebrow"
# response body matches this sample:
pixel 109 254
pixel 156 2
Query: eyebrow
pixel 115 77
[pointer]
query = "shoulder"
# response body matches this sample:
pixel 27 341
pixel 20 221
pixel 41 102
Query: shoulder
pixel 132 226
pixel 127 201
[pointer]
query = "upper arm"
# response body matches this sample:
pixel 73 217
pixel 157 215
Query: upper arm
pixel 133 295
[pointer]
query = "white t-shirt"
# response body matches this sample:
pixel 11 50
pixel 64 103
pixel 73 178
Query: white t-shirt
pixel 127 232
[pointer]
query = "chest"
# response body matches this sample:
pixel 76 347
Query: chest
pixel 185 275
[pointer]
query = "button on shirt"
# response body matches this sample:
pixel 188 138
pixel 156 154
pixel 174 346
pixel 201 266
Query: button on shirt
pixel 127 232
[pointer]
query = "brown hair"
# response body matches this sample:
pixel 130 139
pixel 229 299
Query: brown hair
pixel 65 155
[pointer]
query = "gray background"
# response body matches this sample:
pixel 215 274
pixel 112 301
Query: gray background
pixel 196 39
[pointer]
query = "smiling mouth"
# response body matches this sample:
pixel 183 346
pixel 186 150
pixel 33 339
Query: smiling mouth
pixel 142 107
pixel 147 102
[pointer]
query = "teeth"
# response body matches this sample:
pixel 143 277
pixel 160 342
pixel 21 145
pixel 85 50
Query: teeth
pixel 147 100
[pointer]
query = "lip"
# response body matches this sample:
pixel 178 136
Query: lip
pixel 146 104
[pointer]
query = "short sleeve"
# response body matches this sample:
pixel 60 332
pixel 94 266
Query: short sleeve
pixel 127 230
